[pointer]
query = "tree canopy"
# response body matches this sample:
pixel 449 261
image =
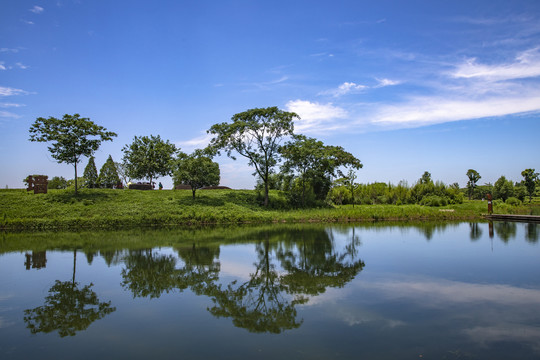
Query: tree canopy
pixel 91 174
pixel 149 157
pixel 108 176
pixel 196 170
pixel 314 162
pixel 254 134
pixel 473 176
pixel 71 137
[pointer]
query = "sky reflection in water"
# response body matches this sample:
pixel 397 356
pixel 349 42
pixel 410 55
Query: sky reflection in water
pixel 454 291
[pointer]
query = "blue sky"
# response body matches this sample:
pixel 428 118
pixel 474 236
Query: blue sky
pixel 406 86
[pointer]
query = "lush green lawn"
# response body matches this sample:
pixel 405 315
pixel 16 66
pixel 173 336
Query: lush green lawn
pixel 103 208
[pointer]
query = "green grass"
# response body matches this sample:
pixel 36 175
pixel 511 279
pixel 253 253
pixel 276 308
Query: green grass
pixel 111 209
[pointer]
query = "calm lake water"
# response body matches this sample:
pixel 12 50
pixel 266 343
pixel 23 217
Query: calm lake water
pixel 378 291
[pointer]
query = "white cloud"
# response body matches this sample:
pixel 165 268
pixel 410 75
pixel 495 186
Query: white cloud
pixel 7 91
pixel 21 65
pixel 195 143
pixel 9 50
pixel 435 110
pixel 343 89
pixel 27 22
pixel 7 114
pixel 8 105
pixel 526 65
pixel 2 67
pixel 386 82
pixel 36 9
pixel 315 117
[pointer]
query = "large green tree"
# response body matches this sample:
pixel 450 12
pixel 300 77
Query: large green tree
pixel 314 162
pixel 473 176
pixel 91 174
pixel 149 157
pixel 255 134
pixel 108 176
pixel 196 170
pixel 71 138
pixel 530 177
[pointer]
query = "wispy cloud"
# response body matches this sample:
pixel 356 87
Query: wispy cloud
pixel 9 50
pixel 343 89
pixel 27 22
pixel 10 105
pixel 21 65
pixel 198 142
pixel 526 64
pixel 316 117
pixel 386 82
pixel 7 114
pixel 423 111
pixel 2 66
pixel 7 91
pixel 469 90
pixel 36 9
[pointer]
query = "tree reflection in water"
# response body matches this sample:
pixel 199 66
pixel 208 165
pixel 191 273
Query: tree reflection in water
pixel 267 301
pixel 68 308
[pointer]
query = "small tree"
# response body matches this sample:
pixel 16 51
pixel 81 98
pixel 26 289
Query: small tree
pixel 91 174
pixel 72 137
pixel 108 176
pixel 530 177
pixel 426 178
pixel 196 170
pixel 349 182
pixel 148 157
pixel 473 176
pixel 122 172
pixel 254 134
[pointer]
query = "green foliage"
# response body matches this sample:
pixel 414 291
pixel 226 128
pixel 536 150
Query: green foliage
pixel 197 171
pixel 122 172
pixel 513 201
pixel 90 174
pixel 503 189
pixel 81 183
pixel 149 157
pixel 71 137
pixel 314 164
pixel 254 134
pixel 530 178
pixel 108 176
pixel 473 176
pixel 57 182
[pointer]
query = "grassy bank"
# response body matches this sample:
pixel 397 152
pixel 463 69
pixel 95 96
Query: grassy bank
pixel 110 209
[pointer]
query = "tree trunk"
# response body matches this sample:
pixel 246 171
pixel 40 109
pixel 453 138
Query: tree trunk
pixel 193 191
pixel 266 192
pixel 75 178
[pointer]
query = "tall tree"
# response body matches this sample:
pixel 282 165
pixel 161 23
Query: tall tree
pixel 473 176
pixel 530 177
pixel 149 157
pixel 90 173
pixel 254 134
pixel 72 137
pixel 108 176
pixel 196 170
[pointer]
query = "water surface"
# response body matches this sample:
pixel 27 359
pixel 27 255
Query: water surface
pixel 378 291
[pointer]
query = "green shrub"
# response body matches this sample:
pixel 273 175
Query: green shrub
pixel 513 201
